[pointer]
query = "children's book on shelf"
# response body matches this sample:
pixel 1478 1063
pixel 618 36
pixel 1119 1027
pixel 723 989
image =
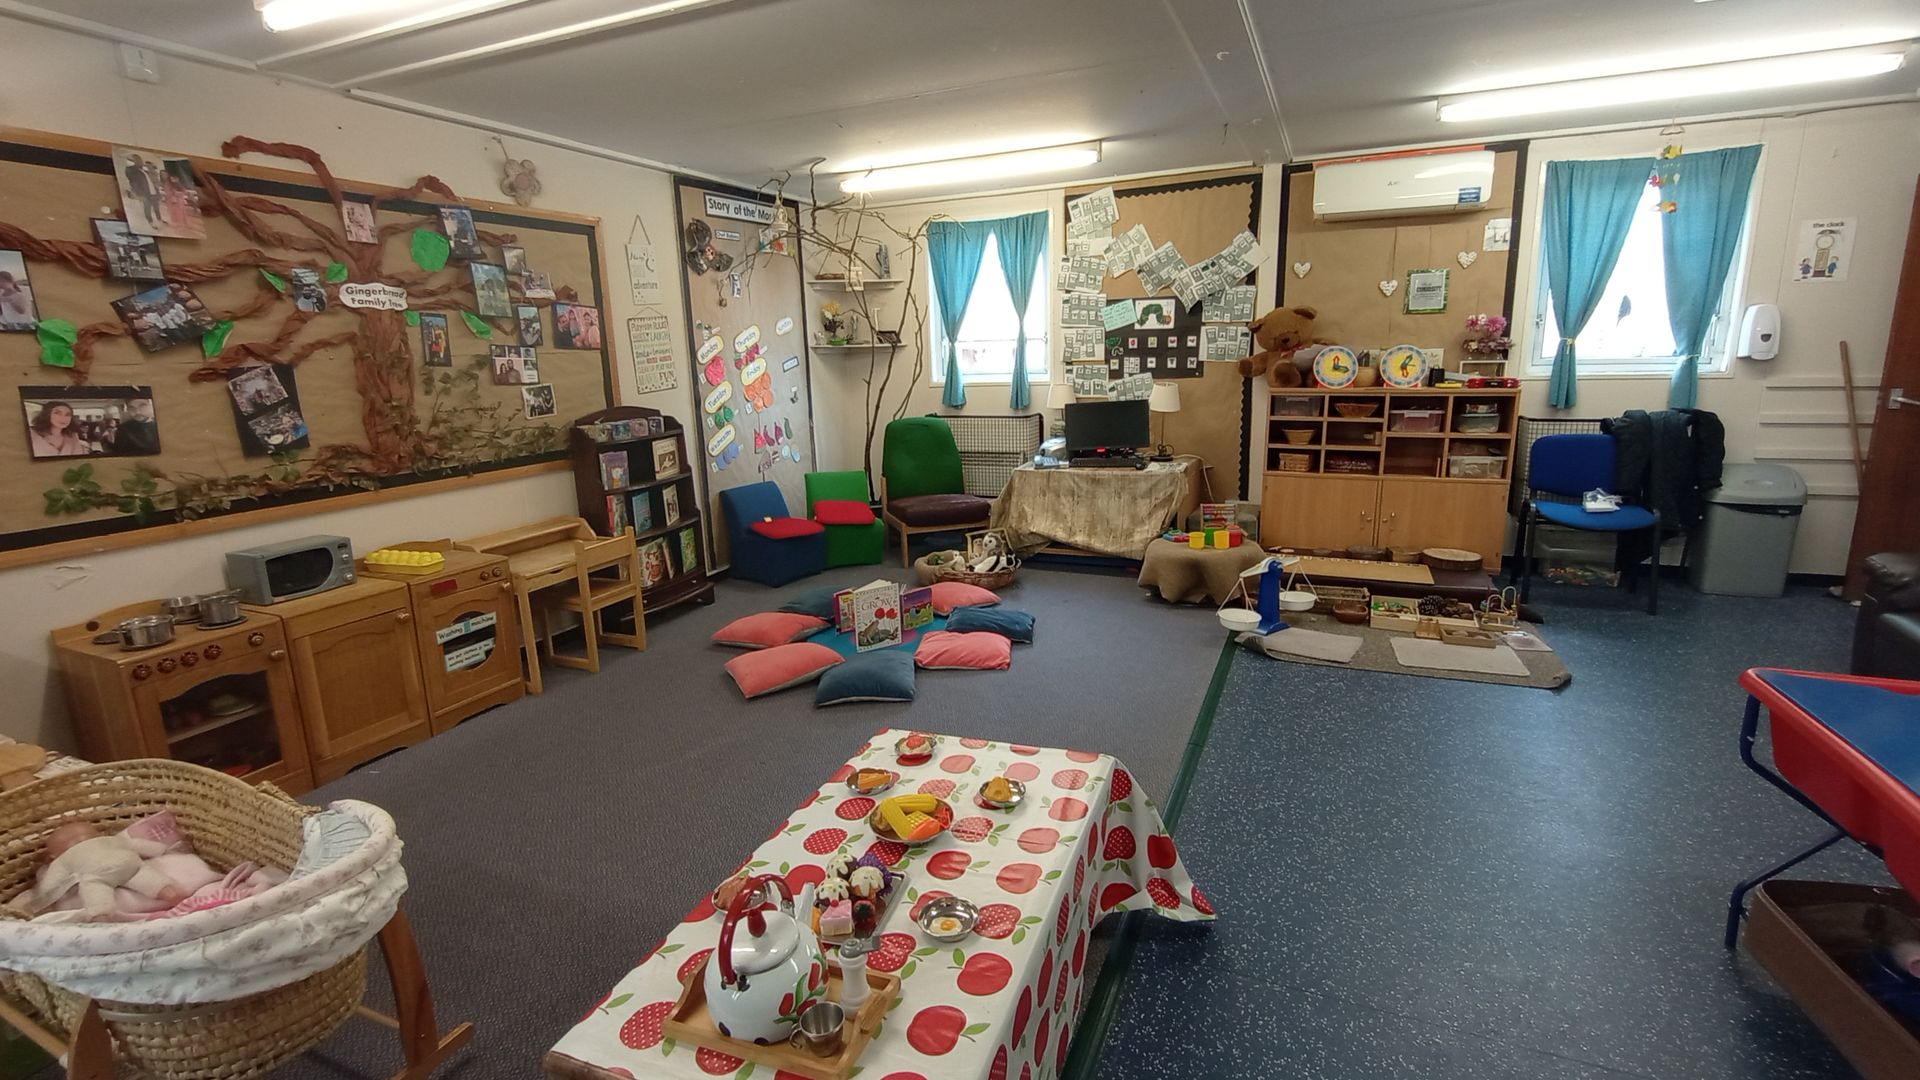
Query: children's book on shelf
pixel 642 504
pixel 670 505
pixel 655 566
pixel 876 615
pixel 689 551
pixel 613 469
pixel 843 611
pixel 916 607
pixel 616 514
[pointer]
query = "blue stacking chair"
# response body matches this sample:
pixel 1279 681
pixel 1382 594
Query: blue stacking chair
pixel 1567 467
pixel 770 560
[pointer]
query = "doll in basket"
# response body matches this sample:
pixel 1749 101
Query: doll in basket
pixel 147 871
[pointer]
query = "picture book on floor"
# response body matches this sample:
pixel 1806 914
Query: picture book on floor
pixel 876 615
pixel 916 607
pixel 843 611
pixel 613 469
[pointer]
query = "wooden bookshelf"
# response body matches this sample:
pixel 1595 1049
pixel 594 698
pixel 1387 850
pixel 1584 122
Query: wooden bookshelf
pixel 655 496
pixel 1397 468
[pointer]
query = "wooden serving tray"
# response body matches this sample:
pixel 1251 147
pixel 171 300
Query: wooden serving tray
pixel 692 1022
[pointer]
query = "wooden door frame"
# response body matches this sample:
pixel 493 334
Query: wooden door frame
pixel 1880 511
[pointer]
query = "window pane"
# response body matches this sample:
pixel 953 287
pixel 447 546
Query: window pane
pixel 990 329
pixel 1631 319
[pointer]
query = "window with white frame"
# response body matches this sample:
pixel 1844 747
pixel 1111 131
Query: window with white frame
pixel 988 333
pixel 1629 333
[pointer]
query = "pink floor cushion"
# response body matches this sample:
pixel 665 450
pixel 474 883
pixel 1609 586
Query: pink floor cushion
pixel 948 595
pixel 842 512
pixel 944 650
pixel 786 528
pixel 767 629
pixel 764 671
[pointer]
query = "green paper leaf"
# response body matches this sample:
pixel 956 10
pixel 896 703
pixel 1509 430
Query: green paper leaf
pixel 413 317
pixel 215 339
pixel 279 283
pixel 336 272
pixel 60 331
pixel 56 354
pixel 478 325
pixel 430 250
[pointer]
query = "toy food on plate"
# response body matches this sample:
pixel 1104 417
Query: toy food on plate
pixel 728 889
pixel 852 899
pixel 870 780
pixel 837 919
pixel 831 889
pixel 867 883
pixel 997 790
pixel 945 924
pixel 840 866
pixel 914 747
pixel 908 816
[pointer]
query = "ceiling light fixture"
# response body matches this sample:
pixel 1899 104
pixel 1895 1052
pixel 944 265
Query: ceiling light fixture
pixel 278 15
pixel 973 169
pixel 1766 73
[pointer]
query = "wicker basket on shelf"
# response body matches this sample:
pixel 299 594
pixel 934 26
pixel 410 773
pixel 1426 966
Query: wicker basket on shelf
pixel 230 822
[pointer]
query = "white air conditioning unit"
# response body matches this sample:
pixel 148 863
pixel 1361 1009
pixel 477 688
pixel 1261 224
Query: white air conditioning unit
pixel 1442 183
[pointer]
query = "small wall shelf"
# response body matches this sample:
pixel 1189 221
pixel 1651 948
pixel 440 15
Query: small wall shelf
pixel 840 283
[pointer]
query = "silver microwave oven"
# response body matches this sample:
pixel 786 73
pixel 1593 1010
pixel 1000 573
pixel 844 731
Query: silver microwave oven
pixel 271 573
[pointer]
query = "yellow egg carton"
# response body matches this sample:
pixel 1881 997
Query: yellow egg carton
pixel 402 561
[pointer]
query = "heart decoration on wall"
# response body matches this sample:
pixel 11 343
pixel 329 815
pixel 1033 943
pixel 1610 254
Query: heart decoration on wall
pixel 1467 258
pixel 1388 286
pixel 1300 269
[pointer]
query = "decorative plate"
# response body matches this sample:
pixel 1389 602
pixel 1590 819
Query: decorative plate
pixel 1336 367
pixel 1404 366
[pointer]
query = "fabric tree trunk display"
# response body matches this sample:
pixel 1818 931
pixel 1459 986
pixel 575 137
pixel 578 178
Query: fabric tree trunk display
pixel 1699 239
pixel 955 250
pixel 1589 206
pixel 1023 240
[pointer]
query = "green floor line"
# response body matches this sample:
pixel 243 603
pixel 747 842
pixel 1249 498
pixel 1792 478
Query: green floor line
pixel 1091 1037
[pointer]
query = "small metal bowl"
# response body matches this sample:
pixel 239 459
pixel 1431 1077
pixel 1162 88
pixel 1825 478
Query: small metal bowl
pixel 944 907
pixel 1019 796
pixel 888 786
pixel 901 753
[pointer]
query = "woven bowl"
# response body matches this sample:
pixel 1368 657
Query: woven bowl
pixel 1356 410
pixel 1298 436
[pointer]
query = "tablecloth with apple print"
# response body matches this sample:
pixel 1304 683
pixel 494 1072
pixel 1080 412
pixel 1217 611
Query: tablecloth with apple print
pixel 1002 1003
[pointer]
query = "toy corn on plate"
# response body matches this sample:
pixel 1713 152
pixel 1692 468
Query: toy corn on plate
pixel 911 819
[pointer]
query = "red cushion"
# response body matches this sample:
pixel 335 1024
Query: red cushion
pixel 767 629
pixel 977 651
pixel 948 595
pixel 787 528
pixel 765 670
pixel 842 512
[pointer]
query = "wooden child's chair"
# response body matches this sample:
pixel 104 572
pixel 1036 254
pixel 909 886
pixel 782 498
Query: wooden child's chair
pixel 617 561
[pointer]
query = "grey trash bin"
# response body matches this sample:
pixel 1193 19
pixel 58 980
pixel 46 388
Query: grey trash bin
pixel 1747 537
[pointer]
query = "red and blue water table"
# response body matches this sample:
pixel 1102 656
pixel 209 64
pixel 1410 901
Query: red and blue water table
pixel 1847 748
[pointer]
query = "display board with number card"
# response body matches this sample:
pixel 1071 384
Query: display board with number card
pixel 1164 352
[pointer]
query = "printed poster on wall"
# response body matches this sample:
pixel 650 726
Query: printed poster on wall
pixel 1823 249
pixel 654 367
pixel 643 274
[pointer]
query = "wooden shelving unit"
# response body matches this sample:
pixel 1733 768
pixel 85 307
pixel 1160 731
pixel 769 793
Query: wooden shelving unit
pixel 1414 471
pixel 687 577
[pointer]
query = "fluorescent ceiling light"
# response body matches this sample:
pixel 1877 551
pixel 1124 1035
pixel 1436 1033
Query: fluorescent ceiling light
pixel 280 15
pixel 1767 73
pixel 972 169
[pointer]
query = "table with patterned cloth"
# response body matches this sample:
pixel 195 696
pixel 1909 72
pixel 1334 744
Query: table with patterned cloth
pixel 1108 511
pixel 1001 1003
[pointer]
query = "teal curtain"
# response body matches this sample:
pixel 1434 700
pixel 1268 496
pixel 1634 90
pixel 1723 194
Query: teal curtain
pixel 1583 223
pixel 1698 240
pixel 1023 240
pixel 955 249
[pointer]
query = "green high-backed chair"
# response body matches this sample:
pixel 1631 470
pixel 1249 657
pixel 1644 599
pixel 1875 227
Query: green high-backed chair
pixel 850 541
pixel 922 486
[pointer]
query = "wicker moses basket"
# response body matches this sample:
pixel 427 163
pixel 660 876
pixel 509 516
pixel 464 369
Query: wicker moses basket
pixel 230 821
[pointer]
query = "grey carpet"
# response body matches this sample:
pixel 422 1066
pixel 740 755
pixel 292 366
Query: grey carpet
pixel 1453 880
pixel 552 842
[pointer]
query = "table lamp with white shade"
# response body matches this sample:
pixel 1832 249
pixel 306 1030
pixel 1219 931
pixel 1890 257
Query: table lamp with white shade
pixel 1165 399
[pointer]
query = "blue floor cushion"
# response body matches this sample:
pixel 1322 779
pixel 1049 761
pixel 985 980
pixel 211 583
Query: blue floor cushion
pixel 1012 624
pixel 881 675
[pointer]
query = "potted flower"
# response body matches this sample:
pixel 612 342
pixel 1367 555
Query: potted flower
pixel 837 324
pixel 1487 337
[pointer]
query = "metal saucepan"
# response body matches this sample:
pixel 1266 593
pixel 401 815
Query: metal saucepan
pixel 221 608
pixel 139 632
pixel 184 609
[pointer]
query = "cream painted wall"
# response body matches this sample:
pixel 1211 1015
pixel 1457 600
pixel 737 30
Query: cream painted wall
pixel 1859 163
pixel 70 84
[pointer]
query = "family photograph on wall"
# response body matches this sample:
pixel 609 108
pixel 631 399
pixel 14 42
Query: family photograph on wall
pixel 90 421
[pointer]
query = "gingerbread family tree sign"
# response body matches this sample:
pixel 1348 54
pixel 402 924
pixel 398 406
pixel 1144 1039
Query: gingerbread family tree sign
pixel 193 338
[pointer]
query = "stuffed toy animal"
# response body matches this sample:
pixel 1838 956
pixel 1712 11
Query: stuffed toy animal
pixel 1279 334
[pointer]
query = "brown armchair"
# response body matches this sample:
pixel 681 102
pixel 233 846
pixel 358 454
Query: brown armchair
pixel 1886 636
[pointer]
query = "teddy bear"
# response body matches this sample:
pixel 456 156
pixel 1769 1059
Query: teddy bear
pixel 1280 333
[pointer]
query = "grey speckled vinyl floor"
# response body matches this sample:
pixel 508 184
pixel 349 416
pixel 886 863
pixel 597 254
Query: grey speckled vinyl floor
pixel 1422 878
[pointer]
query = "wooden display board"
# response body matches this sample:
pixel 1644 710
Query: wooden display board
pixel 1200 217
pixel 379 421
pixel 751 392
pixel 1345 262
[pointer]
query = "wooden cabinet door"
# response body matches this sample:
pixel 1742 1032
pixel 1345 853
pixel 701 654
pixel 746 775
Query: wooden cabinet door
pixel 359 690
pixel 469 651
pixel 1439 513
pixel 1318 511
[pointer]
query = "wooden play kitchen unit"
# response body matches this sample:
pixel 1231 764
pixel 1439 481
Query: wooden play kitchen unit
pixel 1388 468
pixel 465 627
pixel 222 697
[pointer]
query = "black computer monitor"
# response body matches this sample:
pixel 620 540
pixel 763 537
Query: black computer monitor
pixel 1108 425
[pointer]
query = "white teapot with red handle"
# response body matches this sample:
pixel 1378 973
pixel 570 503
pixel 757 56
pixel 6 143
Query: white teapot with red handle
pixel 759 981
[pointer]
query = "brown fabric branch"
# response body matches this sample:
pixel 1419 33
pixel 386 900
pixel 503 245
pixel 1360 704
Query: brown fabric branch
pixel 86 257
